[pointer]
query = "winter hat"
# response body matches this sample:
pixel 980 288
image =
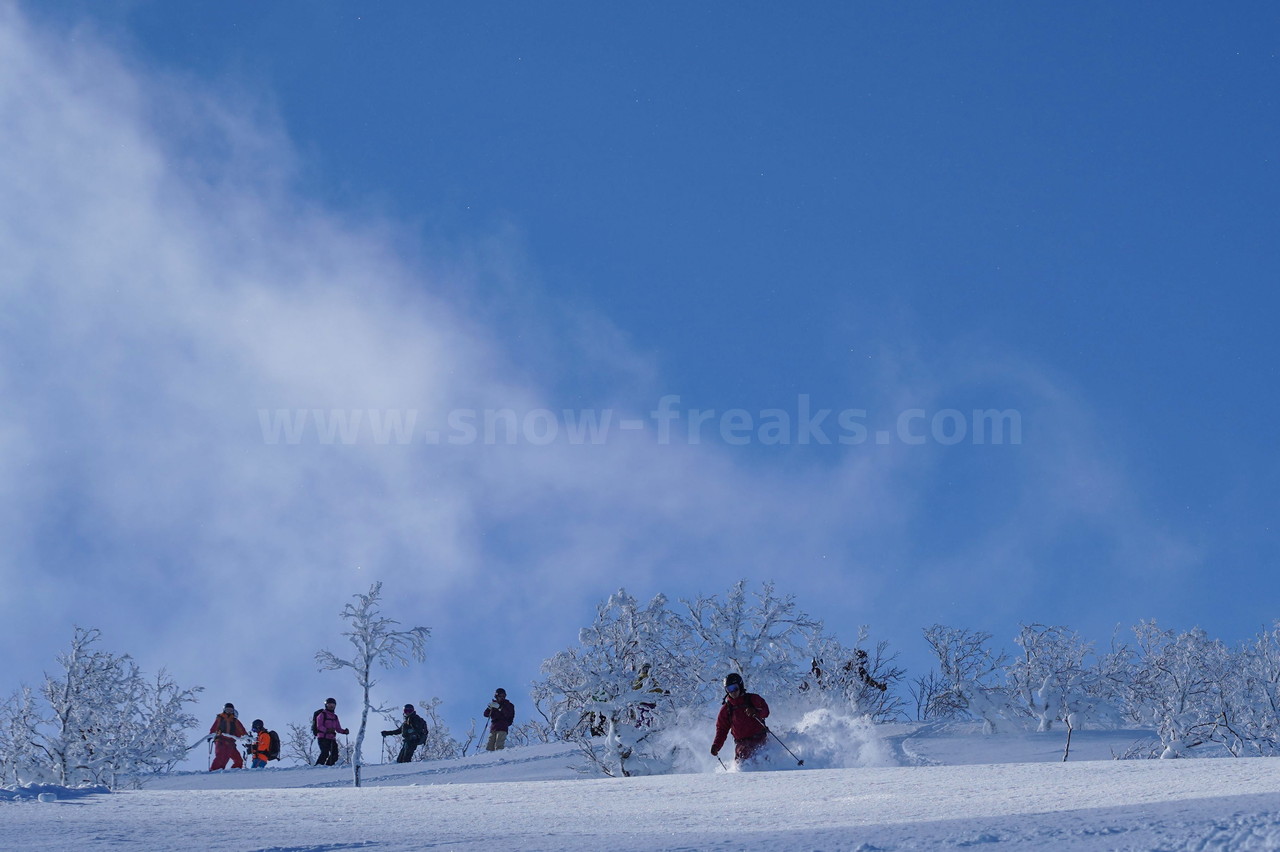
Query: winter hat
pixel 408 708
pixel 500 691
pixel 228 706
pixel 331 701
pixel 733 679
pixel 257 725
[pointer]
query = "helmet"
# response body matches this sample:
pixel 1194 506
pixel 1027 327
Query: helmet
pixel 735 680
pixel 408 708
pixel 500 691
pixel 257 725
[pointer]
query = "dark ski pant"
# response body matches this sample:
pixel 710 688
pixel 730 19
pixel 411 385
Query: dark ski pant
pixel 745 749
pixel 328 751
pixel 406 751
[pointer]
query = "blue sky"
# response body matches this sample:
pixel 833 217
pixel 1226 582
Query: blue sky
pixel 213 209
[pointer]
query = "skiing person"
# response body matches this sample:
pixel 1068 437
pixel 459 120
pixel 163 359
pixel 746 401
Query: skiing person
pixel 226 729
pixel 500 713
pixel 414 732
pixel 326 727
pixel 743 714
pixel 260 749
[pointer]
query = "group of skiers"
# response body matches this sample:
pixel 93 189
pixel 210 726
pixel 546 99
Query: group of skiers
pixel 227 732
pixel 742 714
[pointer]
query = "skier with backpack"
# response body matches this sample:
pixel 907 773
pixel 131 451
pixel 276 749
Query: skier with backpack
pixel 501 713
pixel 265 746
pixel 742 713
pixel 226 730
pixel 326 727
pixel 414 732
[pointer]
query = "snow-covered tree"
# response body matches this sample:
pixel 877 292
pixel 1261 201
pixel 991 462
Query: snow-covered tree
pixel 530 732
pixel 765 637
pixel 1255 730
pixel 440 744
pixel 629 669
pixel 375 644
pixel 1050 669
pixel 933 698
pixel 971 669
pixel 863 680
pixel 1179 685
pixel 20 750
pixel 102 720
pixel 641 671
pixel 299 744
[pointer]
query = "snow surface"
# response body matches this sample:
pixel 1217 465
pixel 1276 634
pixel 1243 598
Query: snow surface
pixel 943 795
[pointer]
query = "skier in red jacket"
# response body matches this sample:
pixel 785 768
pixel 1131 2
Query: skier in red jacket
pixel 226 729
pixel 741 713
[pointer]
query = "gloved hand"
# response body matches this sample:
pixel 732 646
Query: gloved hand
pixel 715 752
pixel 386 733
pixel 343 731
pixel 493 705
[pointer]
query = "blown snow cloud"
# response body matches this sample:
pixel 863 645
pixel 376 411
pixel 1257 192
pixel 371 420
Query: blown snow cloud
pixel 163 283
pixel 163 280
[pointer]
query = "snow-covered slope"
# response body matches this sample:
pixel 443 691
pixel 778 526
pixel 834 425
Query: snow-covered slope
pixel 529 799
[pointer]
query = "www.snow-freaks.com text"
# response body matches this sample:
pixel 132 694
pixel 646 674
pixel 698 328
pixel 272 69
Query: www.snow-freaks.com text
pixel 667 423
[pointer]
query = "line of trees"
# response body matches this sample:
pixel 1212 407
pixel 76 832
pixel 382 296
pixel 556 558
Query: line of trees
pixel 1190 689
pixel 644 672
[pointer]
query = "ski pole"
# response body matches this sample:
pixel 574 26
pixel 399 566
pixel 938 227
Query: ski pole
pixel 799 762
pixel 719 758
pixel 481 745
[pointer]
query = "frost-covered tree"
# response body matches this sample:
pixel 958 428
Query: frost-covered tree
pixel 1255 729
pixel 863 680
pixel 971 670
pixel 530 732
pixel 933 698
pixel 102 721
pixel 469 738
pixel 765 637
pixel 440 744
pixel 618 685
pixel 299 744
pixel 642 674
pixel 20 750
pixel 1048 673
pixel 1180 685
pixel 376 643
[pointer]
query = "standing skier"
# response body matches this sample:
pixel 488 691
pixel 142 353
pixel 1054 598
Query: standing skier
pixel 326 727
pixel 226 729
pixel 743 714
pixel 500 713
pixel 261 748
pixel 413 731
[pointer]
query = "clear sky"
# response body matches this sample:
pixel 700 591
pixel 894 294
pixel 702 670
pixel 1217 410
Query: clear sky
pixel 214 211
